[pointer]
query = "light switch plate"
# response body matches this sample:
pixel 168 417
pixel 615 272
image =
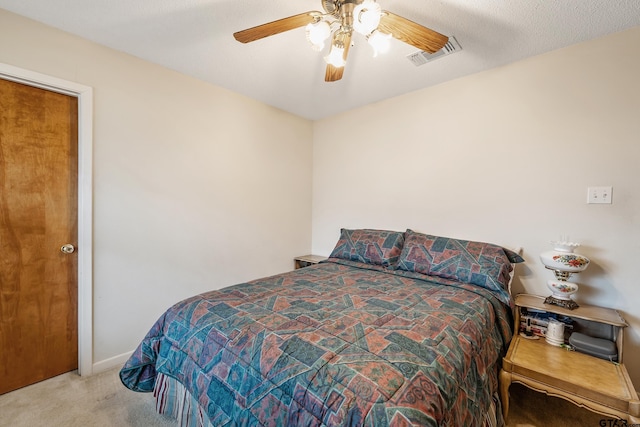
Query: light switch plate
pixel 599 195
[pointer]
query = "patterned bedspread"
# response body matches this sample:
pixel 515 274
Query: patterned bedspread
pixel 332 345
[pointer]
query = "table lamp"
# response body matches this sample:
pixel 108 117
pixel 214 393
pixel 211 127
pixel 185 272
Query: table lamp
pixel 563 262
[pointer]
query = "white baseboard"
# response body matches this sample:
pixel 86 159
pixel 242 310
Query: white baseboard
pixel 112 362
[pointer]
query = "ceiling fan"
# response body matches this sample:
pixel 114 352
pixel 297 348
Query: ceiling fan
pixel 338 22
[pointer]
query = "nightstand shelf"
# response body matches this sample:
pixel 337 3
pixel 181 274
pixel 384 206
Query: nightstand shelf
pixel 307 260
pixel 589 382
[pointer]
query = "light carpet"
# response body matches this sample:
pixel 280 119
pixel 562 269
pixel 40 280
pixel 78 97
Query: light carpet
pixel 101 400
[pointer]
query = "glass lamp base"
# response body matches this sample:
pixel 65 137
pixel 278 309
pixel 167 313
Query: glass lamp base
pixel 566 303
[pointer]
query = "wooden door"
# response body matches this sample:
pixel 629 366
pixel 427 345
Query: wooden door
pixel 38 214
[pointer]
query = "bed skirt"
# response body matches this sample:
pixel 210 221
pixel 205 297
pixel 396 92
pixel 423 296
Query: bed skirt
pixel 173 400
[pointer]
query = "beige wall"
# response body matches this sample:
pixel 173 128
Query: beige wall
pixel 503 156
pixel 195 187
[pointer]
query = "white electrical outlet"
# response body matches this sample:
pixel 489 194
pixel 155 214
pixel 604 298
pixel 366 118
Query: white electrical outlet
pixel 599 195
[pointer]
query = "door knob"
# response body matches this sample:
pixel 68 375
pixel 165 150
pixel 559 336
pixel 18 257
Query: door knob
pixel 67 249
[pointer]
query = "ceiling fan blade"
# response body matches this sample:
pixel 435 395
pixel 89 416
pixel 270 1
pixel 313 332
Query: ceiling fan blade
pixel 409 32
pixel 276 27
pixel 333 73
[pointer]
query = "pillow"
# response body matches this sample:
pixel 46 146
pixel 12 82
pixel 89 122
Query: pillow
pixel 476 263
pixel 378 247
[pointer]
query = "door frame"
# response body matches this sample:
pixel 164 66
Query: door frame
pixel 85 198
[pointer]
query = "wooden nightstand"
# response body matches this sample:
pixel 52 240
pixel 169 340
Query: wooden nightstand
pixel 307 260
pixel 589 382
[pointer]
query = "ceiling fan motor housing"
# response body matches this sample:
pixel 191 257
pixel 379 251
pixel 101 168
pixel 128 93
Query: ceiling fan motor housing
pixel 333 7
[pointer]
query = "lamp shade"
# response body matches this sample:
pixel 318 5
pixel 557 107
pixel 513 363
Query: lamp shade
pixel 336 56
pixel 379 42
pixel 562 258
pixel 366 17
pixel 317 33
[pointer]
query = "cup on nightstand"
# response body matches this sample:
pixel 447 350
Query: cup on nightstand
pixel 555 333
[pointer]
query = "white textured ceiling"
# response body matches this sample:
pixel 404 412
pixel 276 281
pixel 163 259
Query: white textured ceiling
pixel 195 37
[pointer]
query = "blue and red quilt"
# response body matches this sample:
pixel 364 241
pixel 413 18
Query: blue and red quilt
pixel 334 344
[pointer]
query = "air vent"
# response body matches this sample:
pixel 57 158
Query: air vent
pixel 422 57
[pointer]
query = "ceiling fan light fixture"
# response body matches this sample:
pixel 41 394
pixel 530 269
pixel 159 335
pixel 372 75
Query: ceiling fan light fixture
pixel 317 33
pixel 379 41
pixel 366 17
pixel 336 55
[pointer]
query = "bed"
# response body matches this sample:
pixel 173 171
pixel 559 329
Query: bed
pixel 394 329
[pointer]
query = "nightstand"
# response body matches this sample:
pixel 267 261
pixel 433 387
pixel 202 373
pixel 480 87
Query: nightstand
pixel 595 384
pixel 307 260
